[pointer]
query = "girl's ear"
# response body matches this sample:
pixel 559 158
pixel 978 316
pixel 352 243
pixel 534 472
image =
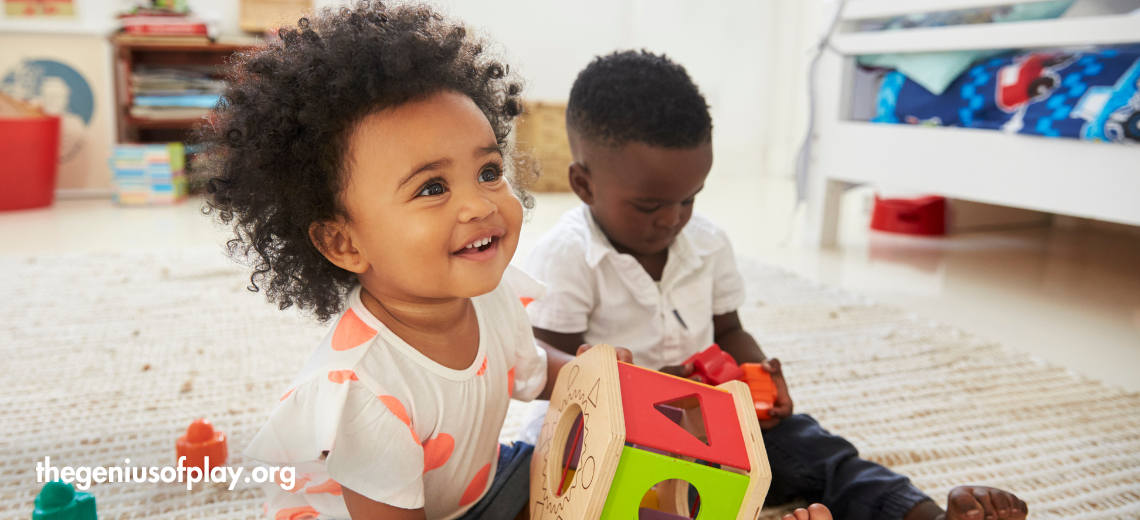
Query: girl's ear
pixel 581 182
pixel 332 239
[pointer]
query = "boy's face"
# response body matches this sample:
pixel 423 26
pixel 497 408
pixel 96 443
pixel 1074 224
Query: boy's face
pixel 640 195
pixel 425 181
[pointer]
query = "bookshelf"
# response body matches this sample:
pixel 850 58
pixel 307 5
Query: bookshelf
pixel 163 51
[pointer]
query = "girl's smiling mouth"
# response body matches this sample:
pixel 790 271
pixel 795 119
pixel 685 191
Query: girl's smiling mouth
pixel 483 246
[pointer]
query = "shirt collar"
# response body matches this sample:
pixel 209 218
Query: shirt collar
pixel 698 239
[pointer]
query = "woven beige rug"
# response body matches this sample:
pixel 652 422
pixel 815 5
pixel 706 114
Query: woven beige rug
pixel 108 357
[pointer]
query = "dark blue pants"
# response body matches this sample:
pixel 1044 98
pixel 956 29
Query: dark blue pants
pixel 811 463
pixel 510 489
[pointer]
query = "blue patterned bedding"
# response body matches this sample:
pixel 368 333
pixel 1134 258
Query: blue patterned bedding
pixel 1090 95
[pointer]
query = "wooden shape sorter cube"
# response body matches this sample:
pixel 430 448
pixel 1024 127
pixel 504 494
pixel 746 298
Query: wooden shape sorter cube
pixel 615 431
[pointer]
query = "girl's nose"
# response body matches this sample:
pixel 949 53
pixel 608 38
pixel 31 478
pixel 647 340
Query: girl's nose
pixel 475 206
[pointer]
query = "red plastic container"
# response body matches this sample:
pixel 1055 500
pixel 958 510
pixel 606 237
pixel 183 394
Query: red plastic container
pixel 922 216
pixel 29 160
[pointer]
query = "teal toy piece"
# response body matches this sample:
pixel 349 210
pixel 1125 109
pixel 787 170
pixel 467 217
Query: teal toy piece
pixel 59 501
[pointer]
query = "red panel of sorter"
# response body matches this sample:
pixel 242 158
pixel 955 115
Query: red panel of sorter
pixel 642 389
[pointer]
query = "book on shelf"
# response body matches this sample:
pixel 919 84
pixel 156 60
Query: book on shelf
pixel 164 26
pixel 169 113
pixel 196 101
pixel 169 93
pixel 140 39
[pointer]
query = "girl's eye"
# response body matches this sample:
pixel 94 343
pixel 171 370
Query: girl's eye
pixel 645 209
pixel 688 202
pixel 431 189
pixel 489 175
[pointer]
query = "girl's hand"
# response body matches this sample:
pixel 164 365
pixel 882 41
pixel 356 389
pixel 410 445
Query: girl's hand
pixel 556 359
pixel 623 354
pixel 783 406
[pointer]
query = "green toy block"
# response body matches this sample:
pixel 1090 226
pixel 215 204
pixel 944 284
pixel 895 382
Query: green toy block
pixel 722 492
pixel 59 501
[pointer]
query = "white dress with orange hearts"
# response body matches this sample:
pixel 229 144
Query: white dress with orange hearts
pixel 398 427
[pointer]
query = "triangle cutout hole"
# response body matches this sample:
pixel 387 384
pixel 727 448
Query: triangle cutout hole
pixel 686 412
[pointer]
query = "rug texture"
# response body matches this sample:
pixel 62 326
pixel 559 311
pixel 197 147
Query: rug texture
pixel 109 357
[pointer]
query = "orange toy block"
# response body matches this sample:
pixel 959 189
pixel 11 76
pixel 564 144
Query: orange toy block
pixel 643 390
pixel 201 441
pixel 762 387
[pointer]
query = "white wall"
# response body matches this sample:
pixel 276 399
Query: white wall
pixel 748 56
pixel 797 29
pixel 726 45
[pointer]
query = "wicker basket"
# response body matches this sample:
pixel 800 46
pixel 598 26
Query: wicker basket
pixel 541 132
pixel 263 15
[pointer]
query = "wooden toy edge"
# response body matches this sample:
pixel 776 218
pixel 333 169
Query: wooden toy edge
pixel 602 360
pixel 760 478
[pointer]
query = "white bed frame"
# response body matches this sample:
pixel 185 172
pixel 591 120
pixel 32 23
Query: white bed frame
pixel 1064 176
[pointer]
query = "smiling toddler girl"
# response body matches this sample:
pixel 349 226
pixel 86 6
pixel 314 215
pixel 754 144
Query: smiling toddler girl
pixel 362 162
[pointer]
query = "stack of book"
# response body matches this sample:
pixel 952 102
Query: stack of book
pixel 148 174
pixel 164 18
pixel 164 25
pixel 171 94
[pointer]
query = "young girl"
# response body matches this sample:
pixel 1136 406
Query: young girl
pixel 360 162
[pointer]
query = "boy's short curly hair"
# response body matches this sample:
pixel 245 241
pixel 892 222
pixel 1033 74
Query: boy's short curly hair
pixel 638 96
pixel 278 140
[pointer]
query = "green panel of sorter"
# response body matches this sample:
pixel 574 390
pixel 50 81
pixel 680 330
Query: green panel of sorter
pixel 722 492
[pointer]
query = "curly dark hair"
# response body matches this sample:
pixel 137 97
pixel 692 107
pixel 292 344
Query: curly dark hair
pixel 277 143
pixel 638 96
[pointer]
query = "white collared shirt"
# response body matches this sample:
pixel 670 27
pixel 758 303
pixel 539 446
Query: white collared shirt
pixel 594 289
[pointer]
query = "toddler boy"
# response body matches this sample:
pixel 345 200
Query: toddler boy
pixel 635 267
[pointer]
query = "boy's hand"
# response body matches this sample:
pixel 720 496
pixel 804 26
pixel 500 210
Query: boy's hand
pixel 623 354
pixel 685 371
pixel 783 406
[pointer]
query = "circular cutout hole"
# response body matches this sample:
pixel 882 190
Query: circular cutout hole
pixel 566 450
pixel 670 499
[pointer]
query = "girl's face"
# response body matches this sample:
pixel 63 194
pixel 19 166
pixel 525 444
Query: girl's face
pixel 431 214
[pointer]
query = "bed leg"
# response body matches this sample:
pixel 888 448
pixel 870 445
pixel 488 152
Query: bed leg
pixel 823 214
pixel 829 223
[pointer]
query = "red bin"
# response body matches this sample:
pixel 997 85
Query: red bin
pixel 922 216
pixel 29 160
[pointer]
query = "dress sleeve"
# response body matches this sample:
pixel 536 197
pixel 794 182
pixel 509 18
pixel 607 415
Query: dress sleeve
pixel 570 297
pixel 527 376
pixel 376 453
pixel 728 285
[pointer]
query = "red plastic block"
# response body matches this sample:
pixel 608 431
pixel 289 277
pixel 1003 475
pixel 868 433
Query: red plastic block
pixel 201 441
pixel 763 388
pixel 715 366
pixel 642 390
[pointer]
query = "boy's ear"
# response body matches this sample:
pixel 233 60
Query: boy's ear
pixel 581 182
pixel 332 239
